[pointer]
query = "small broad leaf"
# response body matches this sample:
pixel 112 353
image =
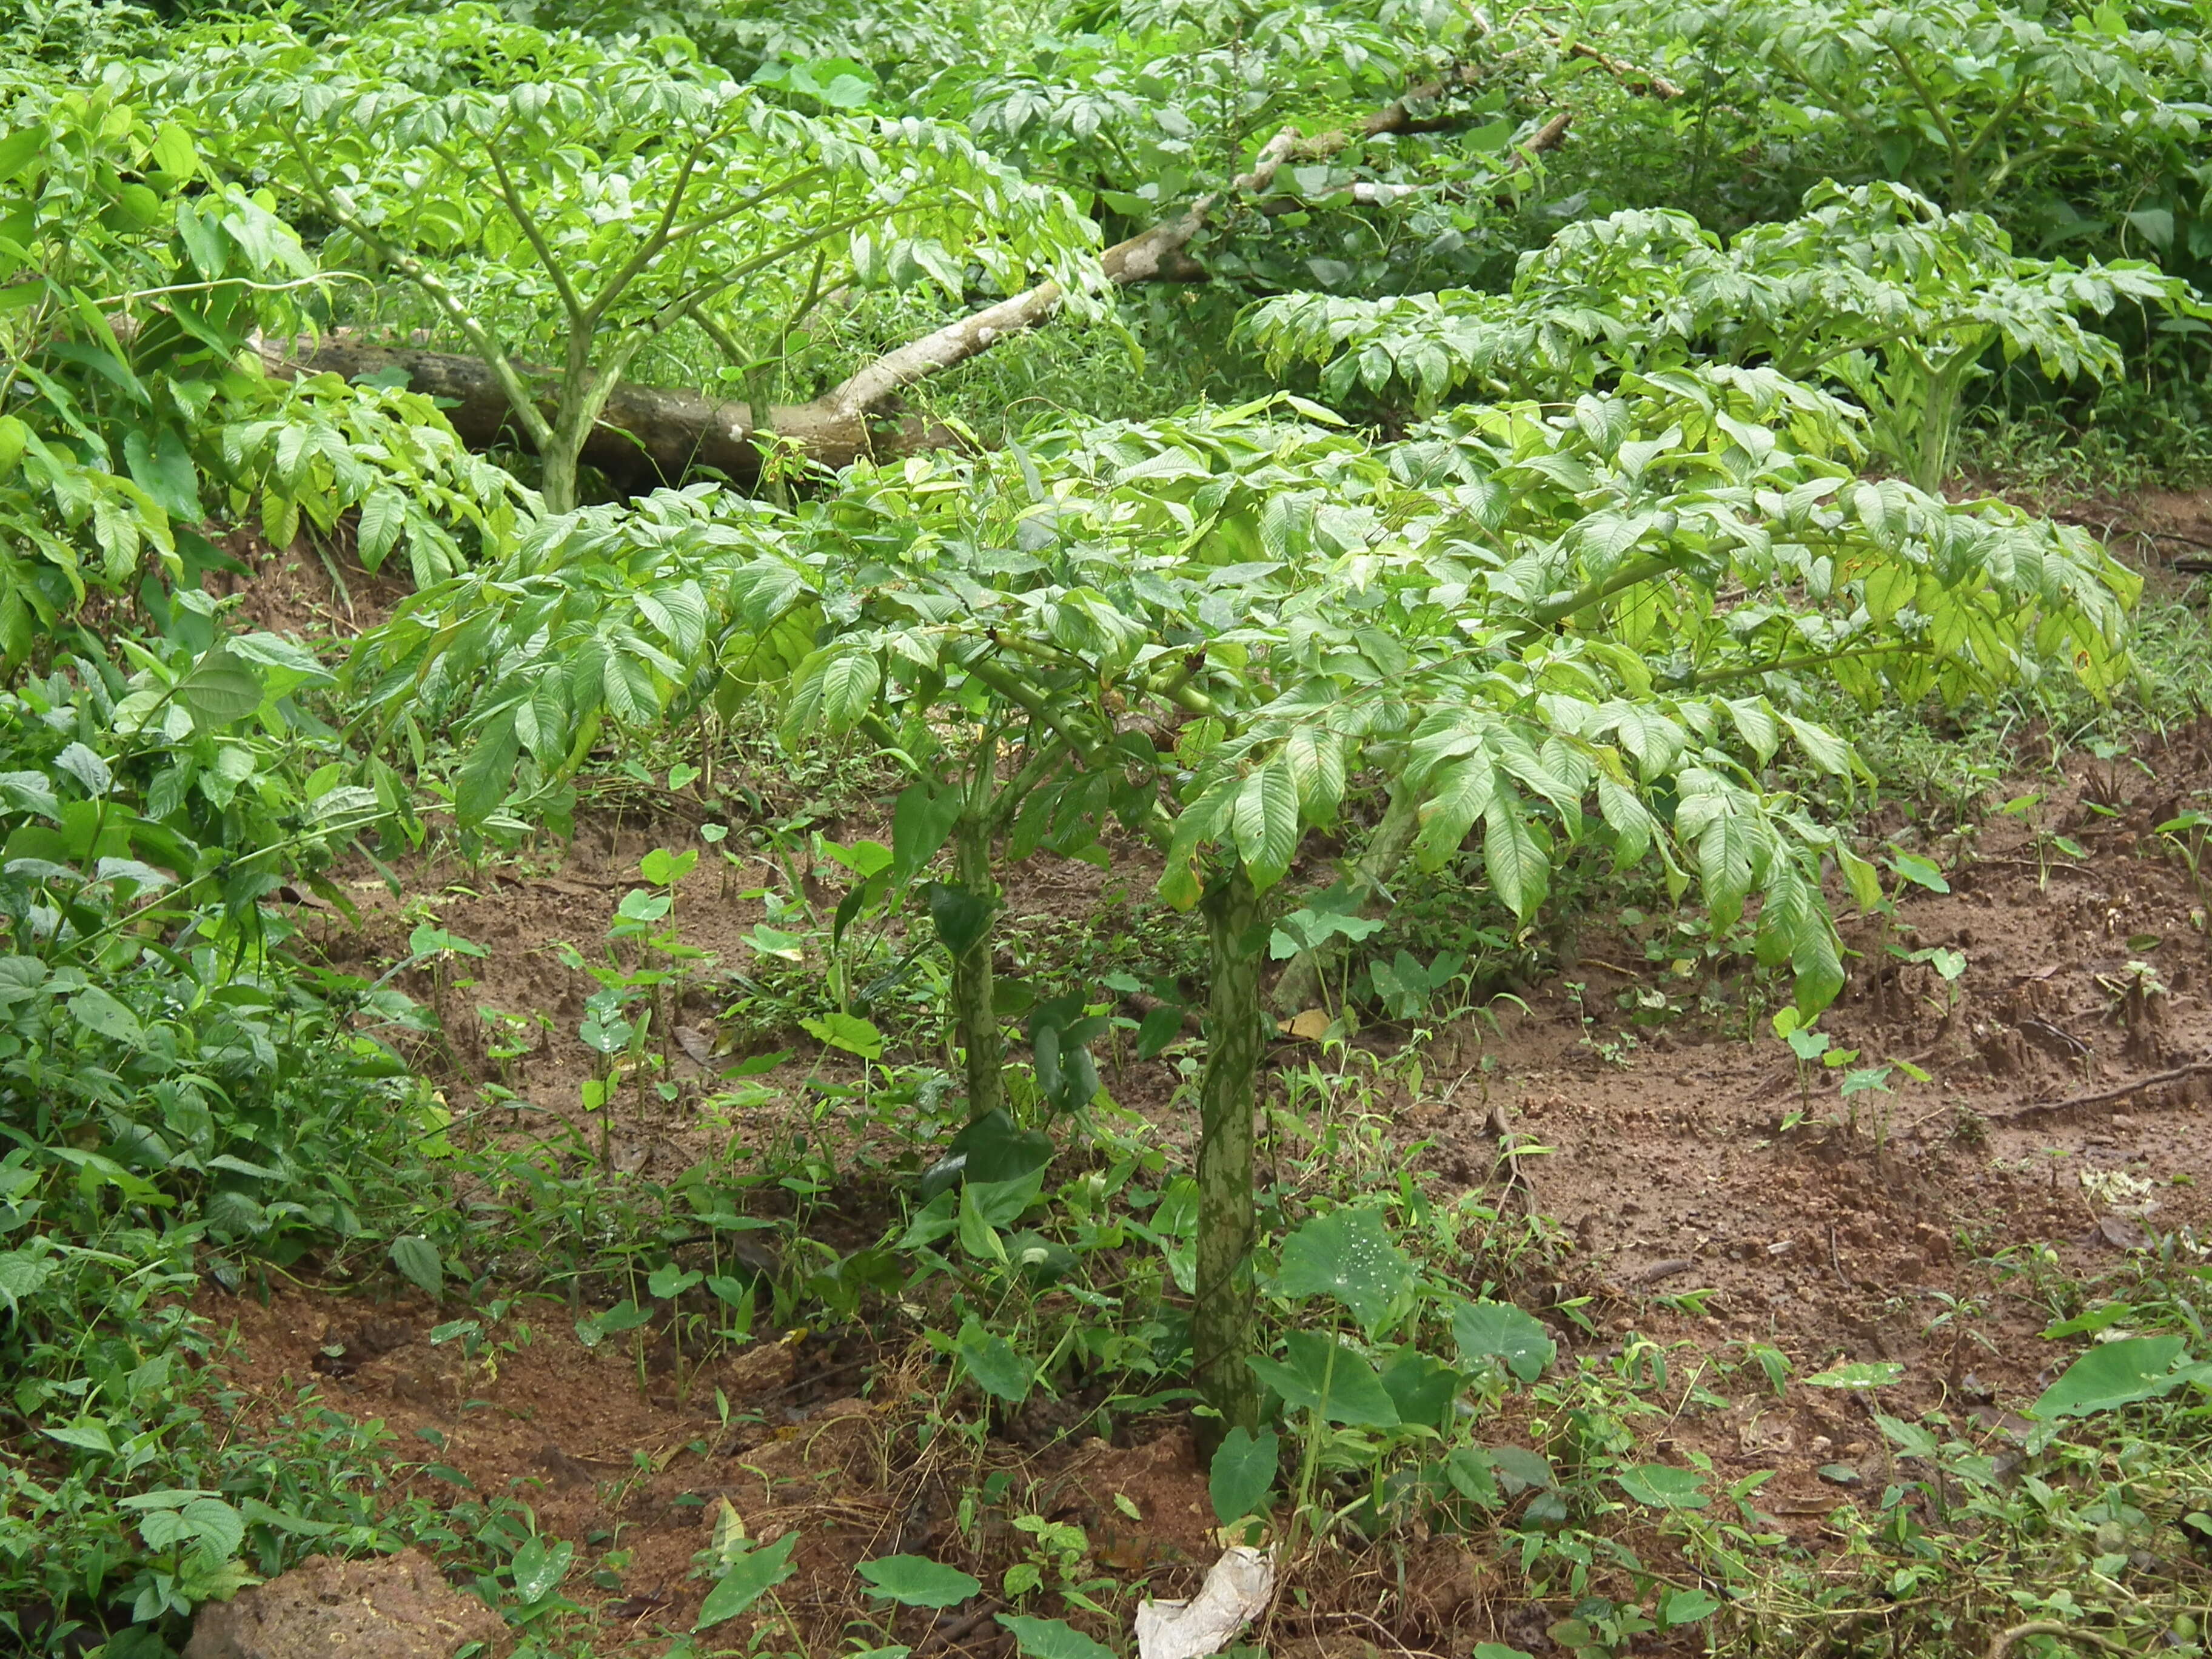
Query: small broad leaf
pixel 1686 1606
pixel 1523 1470
pixel 416 1259
pixel 2155 225
pixel 669 1280
pixel 1863 1374
pixel 1473 1475
pixel 21 1274
pixel 1498 1330
pixel 997 1368
pixel 87 768
pixel 214 1525
pixel 1052 1638
pixel 850 1032
pixel 1910 1439
pixel 1000 1203
pixel 90 1435
pixel 916 1581
pixel 663 868
pixel 1347 1253
pixel 978 1236
pixel 1243 1472
pixel 1664 1487
pixel 750 1576
pixel 992 1149
pixel 625 1315
pixel 540 1567
pixel 218 688
pixel 920 821
pixel 1922 872
pixel 1160 1027
pixel 96 1010
pixel 2102 1317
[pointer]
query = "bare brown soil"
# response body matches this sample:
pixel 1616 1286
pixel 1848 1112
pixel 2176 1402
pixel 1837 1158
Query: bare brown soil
pixel 315 591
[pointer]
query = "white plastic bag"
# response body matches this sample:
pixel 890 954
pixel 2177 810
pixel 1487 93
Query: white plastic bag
pixel 1236 1591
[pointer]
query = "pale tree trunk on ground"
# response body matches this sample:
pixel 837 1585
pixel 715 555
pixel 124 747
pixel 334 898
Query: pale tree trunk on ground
pixel 644 433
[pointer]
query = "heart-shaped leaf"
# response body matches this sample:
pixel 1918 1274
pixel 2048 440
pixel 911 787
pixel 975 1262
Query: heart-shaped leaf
pixel 1244 1466
pixel 1347 1253
pixel 751 1576
pixel 1500 1331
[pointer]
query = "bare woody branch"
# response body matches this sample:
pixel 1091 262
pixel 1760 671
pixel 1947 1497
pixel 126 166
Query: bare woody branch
pixel 1155 255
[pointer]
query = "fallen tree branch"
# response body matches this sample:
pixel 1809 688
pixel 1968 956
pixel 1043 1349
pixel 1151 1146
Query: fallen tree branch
pixel 646 435
pixel 1155 255
pixel 1142 258
pixel 1649 82
pixel 1508 1155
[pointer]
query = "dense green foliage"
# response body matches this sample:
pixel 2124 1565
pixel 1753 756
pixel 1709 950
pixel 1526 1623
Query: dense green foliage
pixel 1572 499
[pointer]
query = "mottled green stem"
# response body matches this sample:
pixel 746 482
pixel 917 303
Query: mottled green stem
pixel 974 1019
pixel 1222 1324
pixel 1939 422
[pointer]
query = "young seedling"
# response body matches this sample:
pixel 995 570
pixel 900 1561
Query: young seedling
pixel 511 1038
pixel 1948 966
pixel 2187 834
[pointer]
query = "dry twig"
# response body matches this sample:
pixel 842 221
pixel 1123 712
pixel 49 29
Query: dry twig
pixel 1515 1176
pixel 2102 1097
